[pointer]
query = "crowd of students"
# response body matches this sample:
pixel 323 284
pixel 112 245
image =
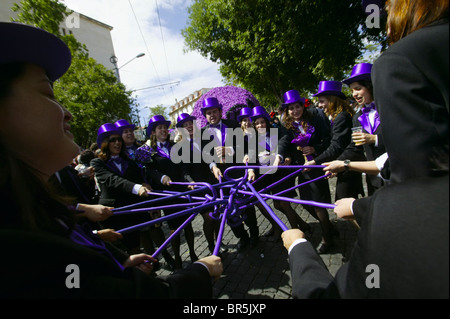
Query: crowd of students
pixel 58 215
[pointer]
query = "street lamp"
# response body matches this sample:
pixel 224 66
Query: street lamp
pixel 114 61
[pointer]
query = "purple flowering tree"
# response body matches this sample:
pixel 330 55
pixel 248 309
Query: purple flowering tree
pixel 229 97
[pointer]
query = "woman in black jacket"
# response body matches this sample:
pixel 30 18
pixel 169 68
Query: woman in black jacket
pixel 308 135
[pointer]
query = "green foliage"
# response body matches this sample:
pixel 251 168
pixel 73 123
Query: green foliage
pixel 88 90
pixel 271 46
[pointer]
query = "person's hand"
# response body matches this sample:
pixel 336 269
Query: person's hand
pixel 246 159
pixel 191 187
pixel 333 168
pixel 360 138
pixel 96 213
pixel 308 150
pixel 277 161
pixel 343 208
pixel 217 172
pixel 143 262
pixel 287 161
pixel 214 265
pixel 291 235
pixel 166 180
pixel 251 175
pixel 144 190
pixel 312 162
pixel 109 235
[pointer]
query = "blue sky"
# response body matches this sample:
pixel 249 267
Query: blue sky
pixel 158 66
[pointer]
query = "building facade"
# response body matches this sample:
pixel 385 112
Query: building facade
pixel 94 34
pixel 186 105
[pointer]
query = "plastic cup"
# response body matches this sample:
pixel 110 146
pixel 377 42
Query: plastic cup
pixel 357 129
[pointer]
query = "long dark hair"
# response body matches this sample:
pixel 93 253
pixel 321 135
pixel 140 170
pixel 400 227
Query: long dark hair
pixel 27 202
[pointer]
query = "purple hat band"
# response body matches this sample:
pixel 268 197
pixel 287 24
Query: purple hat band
pixel 105 131
pixel 360 72
pixel 155 121
pixel 292 96
pixel 123 124
pixel 183 118
pixel 259 111
pixel 24 43
pixel 245 112
pixel 209 103
pixel 330 88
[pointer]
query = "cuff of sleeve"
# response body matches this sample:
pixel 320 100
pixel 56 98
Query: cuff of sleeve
pixel 200 263
pixel 135 190
pixel 162 178
pixel 296 242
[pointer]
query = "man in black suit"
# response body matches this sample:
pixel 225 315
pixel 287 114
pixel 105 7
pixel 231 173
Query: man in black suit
pixel 227 151
pixel 401 251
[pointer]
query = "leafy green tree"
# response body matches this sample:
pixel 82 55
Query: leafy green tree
pixel 88 90
pixel 271 46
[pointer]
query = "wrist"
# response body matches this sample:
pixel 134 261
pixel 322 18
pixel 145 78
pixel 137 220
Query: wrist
pixel 347 165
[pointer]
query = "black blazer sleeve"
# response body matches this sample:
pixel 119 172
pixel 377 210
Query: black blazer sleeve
pixel 341 137
pixel 106 177
pixel 411 82
pixel 310 277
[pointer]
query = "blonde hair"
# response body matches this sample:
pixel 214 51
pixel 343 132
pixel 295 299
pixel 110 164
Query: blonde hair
pixel 337 105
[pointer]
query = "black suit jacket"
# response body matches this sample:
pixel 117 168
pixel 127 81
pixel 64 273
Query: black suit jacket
pixel 411 83
pixel 404 232
pixel 100 277
pixel 320 139
pixel 341 135
pixel 235 140
pixel 115 188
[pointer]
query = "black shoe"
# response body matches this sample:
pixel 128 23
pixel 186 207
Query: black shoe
pixel 324 248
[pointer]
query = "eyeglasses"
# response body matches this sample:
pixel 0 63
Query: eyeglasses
pixel 115 139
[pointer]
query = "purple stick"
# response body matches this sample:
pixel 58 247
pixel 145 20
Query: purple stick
pixel 175 233
pixel 297 201
pixel 164 218
pixel 222 227
pixel 143 210
pixel 267 207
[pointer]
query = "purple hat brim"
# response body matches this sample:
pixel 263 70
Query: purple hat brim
pixel 155 124
pixel 190 118
pixel 28 44
pixel 335 93
pixel 104 135
pixel 357 78
pixel 255 117
pixel 204 109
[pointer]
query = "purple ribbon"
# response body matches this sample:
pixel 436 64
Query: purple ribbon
pixel 364 119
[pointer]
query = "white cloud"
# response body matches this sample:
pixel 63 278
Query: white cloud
pixel 158 66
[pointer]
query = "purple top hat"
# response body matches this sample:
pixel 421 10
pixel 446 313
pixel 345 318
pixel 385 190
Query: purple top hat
pixel 155 121
pixel 24 43
pixel 290 97
pixel 245 112
pixel 183 118
pixel 360 72
pixel 330 88
pixel 105 131
pixel 123 124
pixel 210 103
pixel 259 111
